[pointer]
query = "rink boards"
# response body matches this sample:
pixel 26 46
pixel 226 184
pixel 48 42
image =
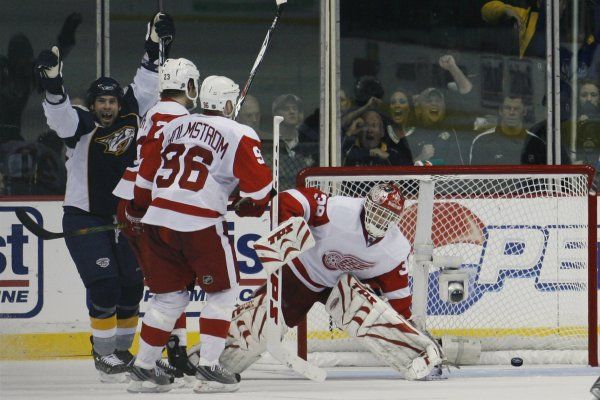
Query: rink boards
pixel 42 300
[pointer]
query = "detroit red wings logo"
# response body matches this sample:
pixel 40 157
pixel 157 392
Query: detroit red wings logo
pixel 333 260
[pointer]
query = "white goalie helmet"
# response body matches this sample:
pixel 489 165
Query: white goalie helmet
pixel 383 206
pixel 216 91
pixel 175 75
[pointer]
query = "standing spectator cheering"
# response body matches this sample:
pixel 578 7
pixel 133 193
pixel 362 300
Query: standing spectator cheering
pixel 184 234
pixel 100 145
pixel 509 142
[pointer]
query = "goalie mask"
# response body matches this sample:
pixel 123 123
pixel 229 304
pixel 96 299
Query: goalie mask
pixel 216 91
pixel 383 206
pixel 176 73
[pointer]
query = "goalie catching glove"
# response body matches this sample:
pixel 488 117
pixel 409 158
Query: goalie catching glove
pixel 284 243
pixel 388 335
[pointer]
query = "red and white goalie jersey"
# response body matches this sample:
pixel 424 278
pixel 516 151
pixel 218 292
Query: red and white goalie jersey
pixel 342 246
pixel 203 159
pixel 148 141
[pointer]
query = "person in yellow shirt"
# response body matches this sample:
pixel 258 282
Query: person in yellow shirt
pixel 530 21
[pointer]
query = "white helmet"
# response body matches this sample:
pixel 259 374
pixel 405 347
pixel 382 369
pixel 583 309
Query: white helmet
pixel 175 75
pixel 383 206
pixel 215 92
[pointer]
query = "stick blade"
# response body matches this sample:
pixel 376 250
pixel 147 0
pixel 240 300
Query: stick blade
pixel 280 2
pixel 295 363
pixel 33 227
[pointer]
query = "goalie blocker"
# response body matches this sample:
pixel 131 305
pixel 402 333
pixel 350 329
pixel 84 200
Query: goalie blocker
pixel 354 309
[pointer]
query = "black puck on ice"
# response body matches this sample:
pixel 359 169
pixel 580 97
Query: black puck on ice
pixel 516 361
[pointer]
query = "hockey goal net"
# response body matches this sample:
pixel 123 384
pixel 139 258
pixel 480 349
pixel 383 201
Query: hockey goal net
pixel 525 234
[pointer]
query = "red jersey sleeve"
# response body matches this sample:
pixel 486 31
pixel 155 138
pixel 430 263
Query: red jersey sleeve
pixel 309 203
pixel 150 160
pixel 394 286
pixel 250 168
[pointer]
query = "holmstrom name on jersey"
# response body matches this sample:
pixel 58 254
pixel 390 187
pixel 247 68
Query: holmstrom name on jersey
pixel 202 132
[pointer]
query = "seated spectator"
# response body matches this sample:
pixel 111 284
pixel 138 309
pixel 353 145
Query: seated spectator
pixel 368 95
pixel 250 114
pixel 437 138
pixel 51 173
pixel 345 102
pixel 300 147
pixel 509 142
pixel 401 114
pixel 365 144
pixel 298 137
pixel 589 100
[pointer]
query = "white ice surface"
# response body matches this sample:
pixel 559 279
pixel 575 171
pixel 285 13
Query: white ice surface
pixel 77 379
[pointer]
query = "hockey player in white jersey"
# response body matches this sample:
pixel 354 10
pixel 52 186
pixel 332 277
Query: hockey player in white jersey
pixel 178 86
pixel 100 143
pixel 358 242
pixel 183 230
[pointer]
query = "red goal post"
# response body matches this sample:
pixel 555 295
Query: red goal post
pixel 526 235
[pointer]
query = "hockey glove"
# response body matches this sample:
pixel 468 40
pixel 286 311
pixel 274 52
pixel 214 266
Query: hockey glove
pixel 48 69
pixel 247 207
pixel 160 27
pixel 133 215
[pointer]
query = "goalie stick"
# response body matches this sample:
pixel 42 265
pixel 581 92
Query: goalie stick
pixel 42 233
pixel 274 315
pixel 259 58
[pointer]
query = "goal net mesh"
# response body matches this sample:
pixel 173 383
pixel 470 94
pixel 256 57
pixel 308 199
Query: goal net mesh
pixel 523 238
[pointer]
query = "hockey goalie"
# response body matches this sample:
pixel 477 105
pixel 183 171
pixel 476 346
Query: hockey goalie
pixel 359 250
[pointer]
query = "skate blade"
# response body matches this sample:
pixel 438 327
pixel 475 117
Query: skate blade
pixel 214 387
pixel 113 378
pixel 178 383
pixel 147 387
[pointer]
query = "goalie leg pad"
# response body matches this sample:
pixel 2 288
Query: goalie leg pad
pixel 245 339
pixel 389 336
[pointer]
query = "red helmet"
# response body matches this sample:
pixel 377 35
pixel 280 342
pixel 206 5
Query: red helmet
pixel 383 206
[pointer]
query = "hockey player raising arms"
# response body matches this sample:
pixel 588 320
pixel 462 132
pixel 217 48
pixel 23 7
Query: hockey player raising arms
pixel 184 233
pixel 358 241
pixel 101 143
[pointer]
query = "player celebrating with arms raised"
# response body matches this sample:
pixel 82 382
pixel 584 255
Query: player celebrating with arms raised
pixel 100 145
pixel 184 234
pixel 357 241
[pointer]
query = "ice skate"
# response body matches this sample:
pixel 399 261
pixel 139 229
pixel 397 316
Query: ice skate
pixel 153 380
pixel 212 378
pixel 110 367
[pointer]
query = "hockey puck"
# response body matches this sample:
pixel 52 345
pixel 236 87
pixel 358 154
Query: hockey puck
pixel 516 361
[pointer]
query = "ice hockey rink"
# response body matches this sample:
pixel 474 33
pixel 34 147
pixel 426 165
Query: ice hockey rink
pixel 77 379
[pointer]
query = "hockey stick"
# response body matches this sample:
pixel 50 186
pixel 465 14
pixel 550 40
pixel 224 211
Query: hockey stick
pixel 275 320
pixel 259 58
pixel 43 234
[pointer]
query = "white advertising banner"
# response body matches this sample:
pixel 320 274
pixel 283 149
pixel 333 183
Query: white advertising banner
pixel 40 289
